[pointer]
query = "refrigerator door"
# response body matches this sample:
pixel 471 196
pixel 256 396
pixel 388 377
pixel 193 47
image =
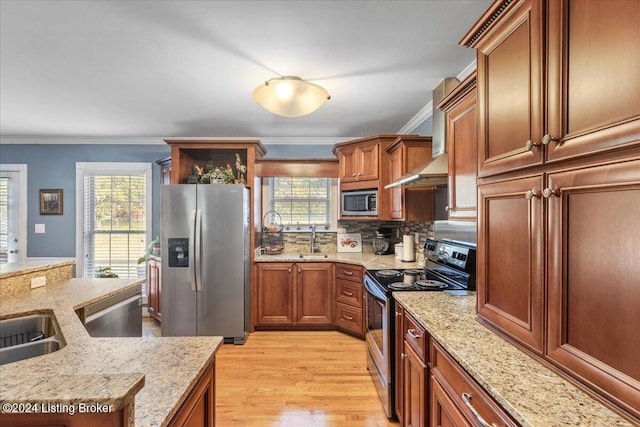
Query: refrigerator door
pixel 223 298
pixel 178 297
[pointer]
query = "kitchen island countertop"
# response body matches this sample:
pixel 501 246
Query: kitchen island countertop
pixel 533 394
pixel 158 372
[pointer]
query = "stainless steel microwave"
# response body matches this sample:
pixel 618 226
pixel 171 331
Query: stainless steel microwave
pixel 360 202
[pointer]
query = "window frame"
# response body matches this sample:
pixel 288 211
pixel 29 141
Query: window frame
pixel 108 168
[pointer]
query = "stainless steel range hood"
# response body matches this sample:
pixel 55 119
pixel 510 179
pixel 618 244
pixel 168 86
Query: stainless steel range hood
pixel 435 172
pixel 431 175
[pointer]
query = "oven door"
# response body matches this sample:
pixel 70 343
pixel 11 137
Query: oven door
pixel 378 338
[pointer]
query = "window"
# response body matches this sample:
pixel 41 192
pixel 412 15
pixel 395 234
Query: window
pixel 301 200
pixel 114 207
pixel 13 212
pixel 4 219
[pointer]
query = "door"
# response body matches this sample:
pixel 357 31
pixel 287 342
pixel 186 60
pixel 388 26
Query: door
pixel 510 105
pixel 314 293
pixel 594 292
pixel 178 298
pixel 510 258
pixel 13 213
pixel 221 257
pixel 275 294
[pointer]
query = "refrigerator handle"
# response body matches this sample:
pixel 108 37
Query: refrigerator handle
pixel 192 249
pixel 198 251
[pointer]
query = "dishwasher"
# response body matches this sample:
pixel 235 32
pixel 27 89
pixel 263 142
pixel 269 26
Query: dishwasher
pixel 118 315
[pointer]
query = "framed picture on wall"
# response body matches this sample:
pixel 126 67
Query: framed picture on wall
pixel 51 202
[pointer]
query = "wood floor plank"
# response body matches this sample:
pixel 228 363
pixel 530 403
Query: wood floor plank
pixel 295 379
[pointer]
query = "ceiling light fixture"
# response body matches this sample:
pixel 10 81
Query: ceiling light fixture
pixel 290 96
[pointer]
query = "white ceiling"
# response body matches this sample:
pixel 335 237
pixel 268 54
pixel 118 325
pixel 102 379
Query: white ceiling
pixel 145 70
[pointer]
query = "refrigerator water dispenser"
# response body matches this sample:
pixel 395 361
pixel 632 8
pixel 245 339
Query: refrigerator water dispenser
pixel 178 252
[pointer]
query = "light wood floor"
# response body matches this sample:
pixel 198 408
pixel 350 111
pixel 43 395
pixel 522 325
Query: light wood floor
pixel 294 379
pixel 310 379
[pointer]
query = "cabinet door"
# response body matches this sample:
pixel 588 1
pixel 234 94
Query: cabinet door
pixel 444 412
pixel 275 294
pixel 593 90
pixel 314 293
pixel 594 278
pixel 396 161
pixel 368 158
pixel 415 389
pixel 463 158
pixel 399 368
pixel 347 164
pixel 510 259
pixel 510 109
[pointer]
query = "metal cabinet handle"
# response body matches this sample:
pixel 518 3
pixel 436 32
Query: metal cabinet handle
pixel 347 317
pixel 530 144
pixel 347 293
pixel 412 334
pixel 347 273
pixel 547 139
pixel 299 270
pixel 547 192
pixel 532 193
pixel 446 208
pixel 403 355
pixel 289 269
pixel 466 398
pixel 398 314
pixel 353 174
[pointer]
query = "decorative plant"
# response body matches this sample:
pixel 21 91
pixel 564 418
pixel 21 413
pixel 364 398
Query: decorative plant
pixel 106 272
pixel 149 250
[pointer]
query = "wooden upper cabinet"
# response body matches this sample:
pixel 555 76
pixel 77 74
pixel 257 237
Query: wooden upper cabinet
pixel 581 56
pixel 405 154
pixel 510 259
pixel 593 73
pixel 165 170
pixel 359 162
pixel 594 277
pixel 509 67
pixel 462 145
pixel 187 153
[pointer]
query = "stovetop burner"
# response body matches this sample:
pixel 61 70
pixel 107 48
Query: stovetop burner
pixel 388 273
pixel 430 284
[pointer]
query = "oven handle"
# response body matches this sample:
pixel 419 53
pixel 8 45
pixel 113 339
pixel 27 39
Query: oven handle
pixel 372 288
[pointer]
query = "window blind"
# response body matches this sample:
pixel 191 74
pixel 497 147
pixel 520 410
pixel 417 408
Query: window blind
pixel 301 201
pixel 4 219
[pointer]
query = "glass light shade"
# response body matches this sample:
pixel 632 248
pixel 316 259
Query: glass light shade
pixel 290 96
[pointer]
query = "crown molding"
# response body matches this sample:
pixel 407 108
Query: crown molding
pixel 417 120
pixel 467 71
pixel 159 140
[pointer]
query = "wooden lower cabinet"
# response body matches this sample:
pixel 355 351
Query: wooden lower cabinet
pixel 154 288
pixel 415 384
pixel 349 298
pixel 294 295
pixel 443 412
pixel 463 396
pixel 199 408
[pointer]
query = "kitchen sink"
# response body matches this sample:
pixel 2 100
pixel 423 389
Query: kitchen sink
pixel 28 336
pixel 313 256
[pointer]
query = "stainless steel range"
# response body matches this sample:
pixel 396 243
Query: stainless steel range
pixel 449 266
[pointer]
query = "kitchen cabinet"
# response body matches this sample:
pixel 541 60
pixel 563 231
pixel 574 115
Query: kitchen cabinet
pixel 359 162
pixel 510 259
pixel 198 410
pixel 405 154
pixel 559 63
pixel 457 399
pixel 349 299
pixel 459 108
pixel 414 359
pixel 154 288
pixel 295 295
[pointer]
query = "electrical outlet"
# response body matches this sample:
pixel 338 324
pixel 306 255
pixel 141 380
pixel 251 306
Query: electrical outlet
pixel 38 282
pixel 417 238
pixel 397 233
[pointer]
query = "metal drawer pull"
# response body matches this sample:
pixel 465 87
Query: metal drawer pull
pixel 412 334
pixel 530 144
pixel 547 139
pixel 299 271
pixel 403 355
pixel 398 314
pixel 531 194
pixel 347 317
pixel 347 273
pixel 347 293
pixel 547 192
pixel 466 398
pixel 289 270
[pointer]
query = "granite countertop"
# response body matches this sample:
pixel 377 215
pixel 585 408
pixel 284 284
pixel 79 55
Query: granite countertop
pixel 159 372
pixel 530 392
pixel 369 261
pixel 31 265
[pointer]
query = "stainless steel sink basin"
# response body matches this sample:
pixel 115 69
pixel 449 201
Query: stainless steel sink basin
pixel 28 336
pixel 313 256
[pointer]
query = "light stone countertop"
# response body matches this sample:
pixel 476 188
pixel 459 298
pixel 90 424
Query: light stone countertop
pixel 160 372
pixel 31 265
pixel 367 260
pixel 533 395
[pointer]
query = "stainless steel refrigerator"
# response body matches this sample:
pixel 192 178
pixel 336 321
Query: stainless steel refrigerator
pixel 205 261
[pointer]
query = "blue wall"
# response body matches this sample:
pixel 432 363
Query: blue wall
pixel 54 166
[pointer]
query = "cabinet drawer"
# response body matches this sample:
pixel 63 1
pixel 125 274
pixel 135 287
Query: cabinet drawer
pixel 416 336
pixel 349 318
pixel 349 272
pixel 460 386
pixel 349 293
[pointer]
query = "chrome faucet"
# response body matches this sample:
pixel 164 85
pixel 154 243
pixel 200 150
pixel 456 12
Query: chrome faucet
pixel 313 238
